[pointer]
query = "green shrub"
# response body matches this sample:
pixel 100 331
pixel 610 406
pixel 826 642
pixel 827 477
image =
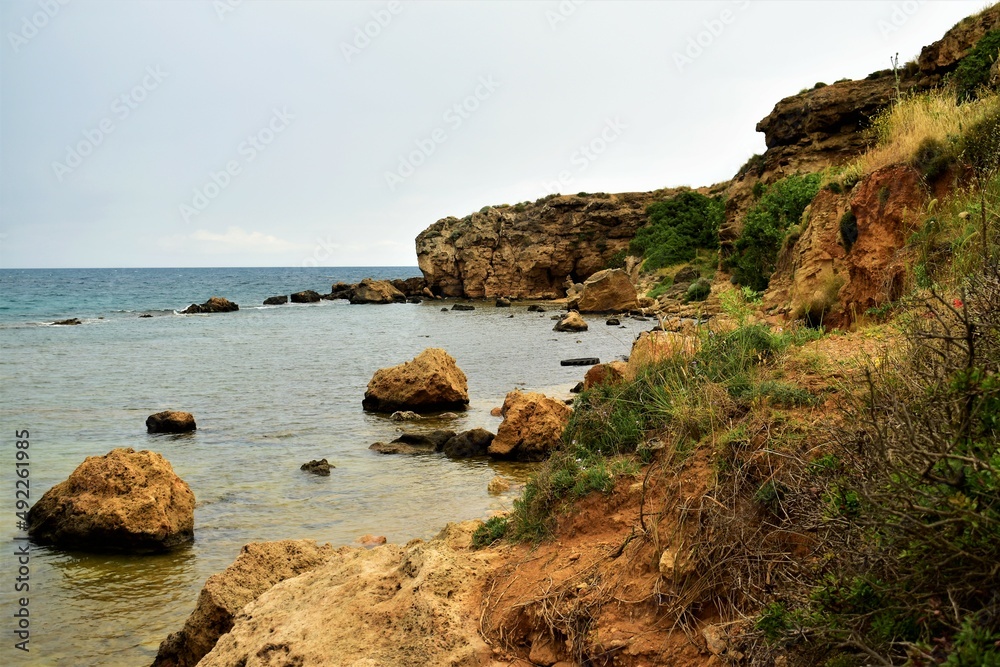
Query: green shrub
pixel 933 158
pixel 677 228
pixel 492 530
pixel 764 228
pixel 753 166
pixel 617 260
pixel 973 71
pixel 758 189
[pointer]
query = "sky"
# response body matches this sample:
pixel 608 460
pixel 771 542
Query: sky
pixel 255 133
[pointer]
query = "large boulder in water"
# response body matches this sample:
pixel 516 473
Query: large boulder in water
pixel 125 501
pixel 466 444
pixel 607 291
pixel 533 425
pixel 430 381
pixel 216 304
pixel 306 296
pixel 170 421
pixel 376 291
pixel 259 566
pixel 571 321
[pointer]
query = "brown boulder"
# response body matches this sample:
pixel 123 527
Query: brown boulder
pixel 276 300
pixel 610 373
pixel 306 296
pixel 170 421
pixel 216 304
pixel 259 566
pixel 430 381
pixel 123 501
pixel 466 444
pixel 607 291
pixel 376 291
pixel 571 321
pixel 533 425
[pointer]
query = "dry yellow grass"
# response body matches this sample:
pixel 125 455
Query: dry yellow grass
pixel 901 128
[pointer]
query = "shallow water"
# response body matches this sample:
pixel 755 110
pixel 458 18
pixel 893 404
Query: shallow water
pixel 270 388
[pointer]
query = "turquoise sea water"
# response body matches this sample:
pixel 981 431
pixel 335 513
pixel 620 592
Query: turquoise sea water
pixel 271 388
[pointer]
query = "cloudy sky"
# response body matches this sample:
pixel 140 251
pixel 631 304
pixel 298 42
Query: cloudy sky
pixel 255 133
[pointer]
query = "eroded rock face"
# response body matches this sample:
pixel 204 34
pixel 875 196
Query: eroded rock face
pixel 376 291
pixel 607 291
pixel 533 425
pixel 216 304
pixel 428 382
pixel 529 250
pixel 410 606
pixel 259 566
pixel 125 501
pixel 886 205
pixel 170 421
pixel 609 373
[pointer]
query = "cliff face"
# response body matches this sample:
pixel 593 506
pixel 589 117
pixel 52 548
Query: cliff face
pixel 529 250
pixel 827 125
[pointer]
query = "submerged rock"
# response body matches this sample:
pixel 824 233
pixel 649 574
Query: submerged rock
pixel 431 381
pixel 70 322
pixel 468 444
pixel 463 306
pixel 170 421
pixel 259 566
pixel 318 467
pixel 124 501
pixel 570 322
pixel 415 443
pixel 216 304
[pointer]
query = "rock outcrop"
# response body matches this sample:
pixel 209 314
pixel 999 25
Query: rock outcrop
pixel 170 421
pixel 319 467
pixel 276 300
pixel 376 291
pixel 216 304
pixel 533 425
pixel 430 381
pixel 610 373
pixel 415 443
pixel 607 291
pixel 409 606
pixel 529 250
pixel 259 566
pixel 124 501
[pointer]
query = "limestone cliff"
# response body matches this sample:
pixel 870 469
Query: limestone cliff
pixel 530 249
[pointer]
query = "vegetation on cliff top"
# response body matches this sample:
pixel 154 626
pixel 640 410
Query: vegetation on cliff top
pixel 678 227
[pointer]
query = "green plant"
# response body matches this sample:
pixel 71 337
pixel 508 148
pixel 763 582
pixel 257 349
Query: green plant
pixel 677 228
pixel 491 531
pixel 933 158
pixel 582 194
pixel 698 291
pixel 753 166
pixel 617 260
pixel 848 229
pixel 764 228
pixel 758 189
pixel 973 71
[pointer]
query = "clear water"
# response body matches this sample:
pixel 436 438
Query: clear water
pixel 271 388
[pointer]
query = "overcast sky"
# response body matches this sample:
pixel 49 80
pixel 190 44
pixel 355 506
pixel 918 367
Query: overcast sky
pixel 254 133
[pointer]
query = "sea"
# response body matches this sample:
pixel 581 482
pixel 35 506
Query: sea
pixel 271 387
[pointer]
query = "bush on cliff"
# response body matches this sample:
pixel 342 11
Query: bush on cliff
pixel 677 228
pixel 765 225
pixel 974 70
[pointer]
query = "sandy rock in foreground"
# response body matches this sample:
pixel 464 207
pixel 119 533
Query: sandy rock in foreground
pixel 259 566
pixel 430 381
pixel 406 606
pixel 123 501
